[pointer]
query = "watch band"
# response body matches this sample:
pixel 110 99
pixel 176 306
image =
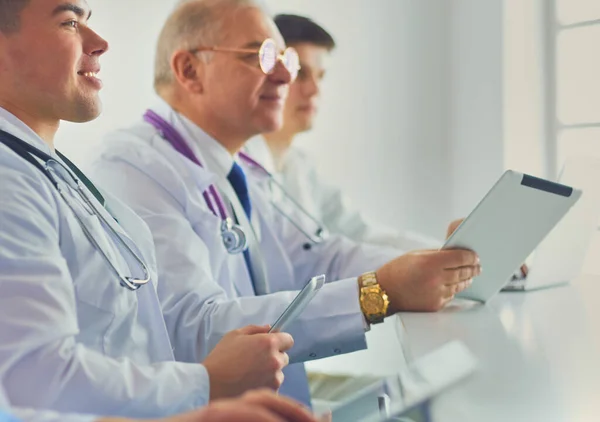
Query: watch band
pixel 367 279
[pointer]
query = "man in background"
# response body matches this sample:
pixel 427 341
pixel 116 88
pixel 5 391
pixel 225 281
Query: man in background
pixel 294 169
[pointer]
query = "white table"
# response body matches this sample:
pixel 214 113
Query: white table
pixel 538 352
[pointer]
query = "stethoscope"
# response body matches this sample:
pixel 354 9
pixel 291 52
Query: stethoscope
pixel 233 235
pixel 320 234
pixel 53 169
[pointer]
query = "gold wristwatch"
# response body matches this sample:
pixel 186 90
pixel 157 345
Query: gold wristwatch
pixel 373 299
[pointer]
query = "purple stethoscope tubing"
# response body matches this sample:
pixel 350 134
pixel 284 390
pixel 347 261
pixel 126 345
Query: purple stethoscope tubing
pixel 171 135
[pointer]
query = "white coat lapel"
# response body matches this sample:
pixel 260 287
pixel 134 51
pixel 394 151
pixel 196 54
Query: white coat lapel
pixel 150 310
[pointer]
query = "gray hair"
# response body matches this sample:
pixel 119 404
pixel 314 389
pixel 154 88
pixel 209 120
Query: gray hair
pixel 10 12
pixel 193 23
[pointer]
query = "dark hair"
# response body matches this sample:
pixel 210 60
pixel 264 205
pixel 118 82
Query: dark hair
pixel 10 12
pixel 299 29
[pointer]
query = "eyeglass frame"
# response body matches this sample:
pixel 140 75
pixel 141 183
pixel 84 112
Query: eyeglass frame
pixel 279 58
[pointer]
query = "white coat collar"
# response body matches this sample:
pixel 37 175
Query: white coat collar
pixel 209 151
pixel 258 149
pixel 13 125
pixel 16 127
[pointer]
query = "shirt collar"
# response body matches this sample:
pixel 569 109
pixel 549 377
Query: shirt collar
pixel 13 125
pixel 208 150
pixel 258 149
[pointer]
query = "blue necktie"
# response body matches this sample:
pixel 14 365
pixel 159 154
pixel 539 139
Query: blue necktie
pixel 237 178
pixel 296 383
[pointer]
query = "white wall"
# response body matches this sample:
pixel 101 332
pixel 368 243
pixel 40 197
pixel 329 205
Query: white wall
pixel 411 125
pixel 426 110
pixel 525 93
pixel 385 107
pixel 476 100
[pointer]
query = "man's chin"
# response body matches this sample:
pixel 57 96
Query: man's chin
pixel 85 112
pixel 304 126
pixel 270 125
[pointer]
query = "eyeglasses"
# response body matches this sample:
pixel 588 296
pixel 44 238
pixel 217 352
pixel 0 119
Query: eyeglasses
pixel 268 56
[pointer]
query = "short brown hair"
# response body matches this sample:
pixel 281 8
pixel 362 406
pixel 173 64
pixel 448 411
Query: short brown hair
pixel 297 29
pixel 10 13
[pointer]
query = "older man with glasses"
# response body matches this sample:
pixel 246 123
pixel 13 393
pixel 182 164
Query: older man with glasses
pixel 223 72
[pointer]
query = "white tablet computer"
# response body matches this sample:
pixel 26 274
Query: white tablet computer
pixel 507 225
pixel 300 302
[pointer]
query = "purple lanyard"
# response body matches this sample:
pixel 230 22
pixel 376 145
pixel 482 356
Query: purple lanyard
pixel 173 137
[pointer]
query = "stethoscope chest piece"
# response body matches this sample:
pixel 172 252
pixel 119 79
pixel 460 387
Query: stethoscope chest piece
pixel 234 238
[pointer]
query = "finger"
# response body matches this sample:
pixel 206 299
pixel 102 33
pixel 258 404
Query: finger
pixel 446 301
pixel 284 359
pixel 459 275
pixel 454 289
pixel 279 378
pixel 326 417
pixel 283 341
pixel 281 361
pixel 254 329
pixel 227 410
pixel 289 409
pixel 456 258
pixel 464 285
pixel 425 252
pixel 448 294
pixel 253 413
pixel 258 414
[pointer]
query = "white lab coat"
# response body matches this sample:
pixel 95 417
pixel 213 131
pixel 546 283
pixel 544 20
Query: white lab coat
pixel 327 203
pixel 71 338
pixel 165 189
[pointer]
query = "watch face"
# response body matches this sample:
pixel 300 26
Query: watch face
pixel 373 303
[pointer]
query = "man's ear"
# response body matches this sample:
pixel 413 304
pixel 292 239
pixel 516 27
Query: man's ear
pixel 188 70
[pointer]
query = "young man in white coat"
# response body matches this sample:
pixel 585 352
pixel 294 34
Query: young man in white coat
pixel 221 76
pixel 294 168
pixel 84 326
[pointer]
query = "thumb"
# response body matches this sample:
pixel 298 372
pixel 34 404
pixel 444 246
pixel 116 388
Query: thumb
pixel 255 329
pixel 453 226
